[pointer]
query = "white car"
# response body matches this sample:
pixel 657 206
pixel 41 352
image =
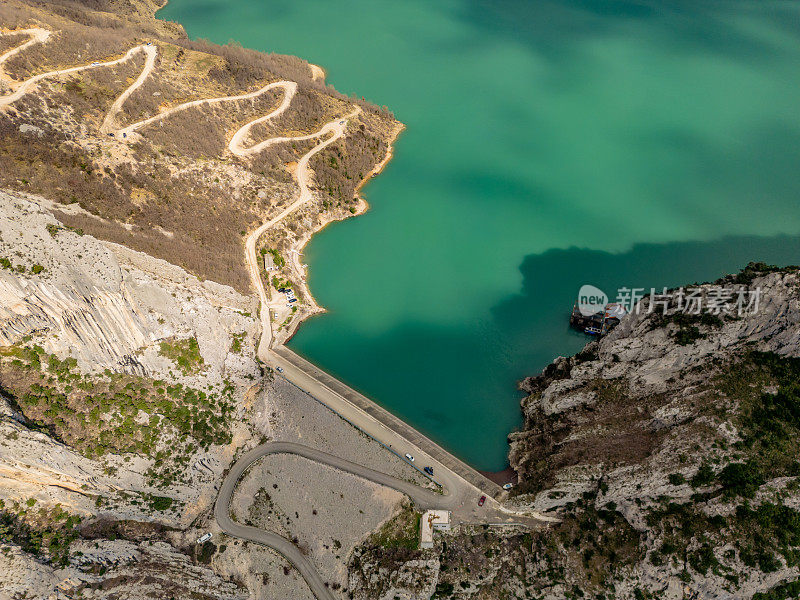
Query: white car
pixel 409 457
pixel 279 369
pixel 204 538
pixel 508 486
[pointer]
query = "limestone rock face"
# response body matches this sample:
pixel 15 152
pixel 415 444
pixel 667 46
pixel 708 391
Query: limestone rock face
pixel 580 401
pixel 109 308
pixel 129 570
pixel 100 302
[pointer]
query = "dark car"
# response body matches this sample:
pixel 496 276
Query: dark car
pixel 482 500
pixel 428 470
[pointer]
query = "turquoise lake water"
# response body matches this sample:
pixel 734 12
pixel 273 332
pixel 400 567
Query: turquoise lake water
pixel 548 145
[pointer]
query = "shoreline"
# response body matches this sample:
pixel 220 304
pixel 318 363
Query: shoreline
pixel 296 249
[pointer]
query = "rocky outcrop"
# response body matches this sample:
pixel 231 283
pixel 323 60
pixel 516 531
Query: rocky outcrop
pixel 64 295
pixel 100 302
pixel 618 399
pixel 115 569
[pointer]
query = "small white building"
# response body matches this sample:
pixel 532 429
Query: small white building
pixel 269 262
pixel 430 520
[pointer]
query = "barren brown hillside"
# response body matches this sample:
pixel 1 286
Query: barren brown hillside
pixel 174 190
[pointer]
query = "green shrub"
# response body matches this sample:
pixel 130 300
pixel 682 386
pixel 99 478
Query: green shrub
pixel 677 479
pixel 741 479
pixel 784 591
pixel 704 476
pixel 159 503
pixel 688 335
pixel 184 353
pixel 280 262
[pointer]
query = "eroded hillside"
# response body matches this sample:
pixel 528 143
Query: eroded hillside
pixel 172 188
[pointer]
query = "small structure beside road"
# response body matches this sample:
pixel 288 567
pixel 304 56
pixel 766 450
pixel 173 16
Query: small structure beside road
pixel 430 520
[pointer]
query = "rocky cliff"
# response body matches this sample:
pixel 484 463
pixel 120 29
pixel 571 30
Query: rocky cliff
pixel 123 382
pixel 100 303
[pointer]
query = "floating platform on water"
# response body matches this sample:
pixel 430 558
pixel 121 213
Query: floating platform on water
pixel 599 323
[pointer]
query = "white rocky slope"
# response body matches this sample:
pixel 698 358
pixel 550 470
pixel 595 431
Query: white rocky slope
pixel 102 303
pixel 132 570
pixel 109 307
pixel 650 362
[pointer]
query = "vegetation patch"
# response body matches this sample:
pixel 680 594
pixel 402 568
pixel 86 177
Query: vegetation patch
pixel 280 262
pixel 116 413
pixel 401 531
pixel 236 344
pixel 784 591
pixel 754 270
pixel 184 353
pixel 45 533
pixel 766 387
pixel 764 397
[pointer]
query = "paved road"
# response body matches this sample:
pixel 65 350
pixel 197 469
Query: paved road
pixel 422 498
pixel 381 424
pixel 222 512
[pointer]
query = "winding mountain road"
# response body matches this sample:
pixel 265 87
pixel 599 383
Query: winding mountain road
pixel 289 88
pixel 423 498
pixel 27 85
pixel 302 175
pixel 151 53
pixel 461 484
pixel 37 35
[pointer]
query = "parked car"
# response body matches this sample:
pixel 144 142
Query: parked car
pixel 428 470
pixel 409 457
pixel 279 369
pixel 508 486
pixel 292 300
pixel 204 538
pixel 482 500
